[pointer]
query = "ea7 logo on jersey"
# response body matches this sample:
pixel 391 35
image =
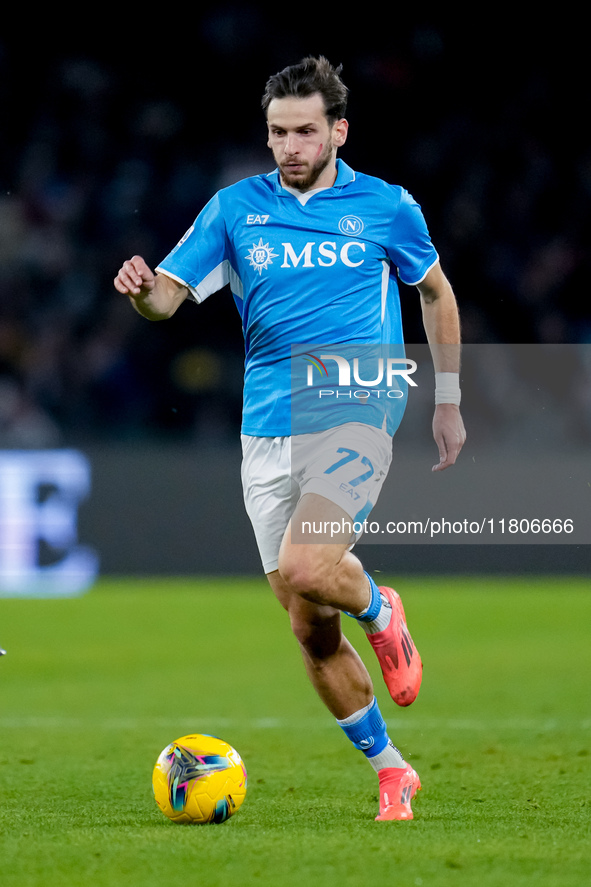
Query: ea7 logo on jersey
pixel 255 219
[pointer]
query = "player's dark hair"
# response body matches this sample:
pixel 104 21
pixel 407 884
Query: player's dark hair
pixel 308 77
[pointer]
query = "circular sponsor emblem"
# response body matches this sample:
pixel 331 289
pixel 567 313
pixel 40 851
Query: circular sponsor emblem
pixel 261 256
pixel 351 226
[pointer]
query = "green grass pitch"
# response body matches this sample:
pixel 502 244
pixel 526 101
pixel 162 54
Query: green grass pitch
pixel 94 687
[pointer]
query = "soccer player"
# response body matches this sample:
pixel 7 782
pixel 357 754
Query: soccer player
pixel 311 253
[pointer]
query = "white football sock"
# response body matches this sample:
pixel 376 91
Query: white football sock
pixel 381 621
pixel 389 757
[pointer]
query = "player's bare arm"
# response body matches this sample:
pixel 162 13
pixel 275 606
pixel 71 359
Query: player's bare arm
pixel 442 326
pixel 154 296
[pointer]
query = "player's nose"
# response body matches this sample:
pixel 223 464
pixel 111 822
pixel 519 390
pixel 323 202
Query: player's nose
pixel 290 145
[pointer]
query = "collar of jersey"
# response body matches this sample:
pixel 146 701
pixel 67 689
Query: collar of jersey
pixel 345 175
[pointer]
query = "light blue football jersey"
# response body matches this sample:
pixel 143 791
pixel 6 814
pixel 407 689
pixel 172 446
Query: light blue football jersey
pixel 319 273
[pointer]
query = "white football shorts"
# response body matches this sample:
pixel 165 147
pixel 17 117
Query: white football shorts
pixel 346 464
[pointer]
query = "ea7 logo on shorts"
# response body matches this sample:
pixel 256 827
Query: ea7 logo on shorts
pixel 351 226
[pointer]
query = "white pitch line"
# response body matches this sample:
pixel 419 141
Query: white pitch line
pixel 204 722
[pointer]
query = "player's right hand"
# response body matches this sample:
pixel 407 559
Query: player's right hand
pixel 135 278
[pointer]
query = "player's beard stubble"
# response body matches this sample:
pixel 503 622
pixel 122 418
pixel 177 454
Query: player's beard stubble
pixel 305 176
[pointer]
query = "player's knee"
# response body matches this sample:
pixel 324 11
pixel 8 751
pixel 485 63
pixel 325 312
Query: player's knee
pixel 305 577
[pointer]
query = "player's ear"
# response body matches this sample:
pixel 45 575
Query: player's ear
pixel 339 132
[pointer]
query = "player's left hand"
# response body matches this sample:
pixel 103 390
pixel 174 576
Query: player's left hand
pixel 449 434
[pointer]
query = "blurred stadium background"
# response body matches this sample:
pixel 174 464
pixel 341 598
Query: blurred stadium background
pixel 114 137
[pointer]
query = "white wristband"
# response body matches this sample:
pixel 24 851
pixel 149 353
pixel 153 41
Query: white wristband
pixel 447 388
